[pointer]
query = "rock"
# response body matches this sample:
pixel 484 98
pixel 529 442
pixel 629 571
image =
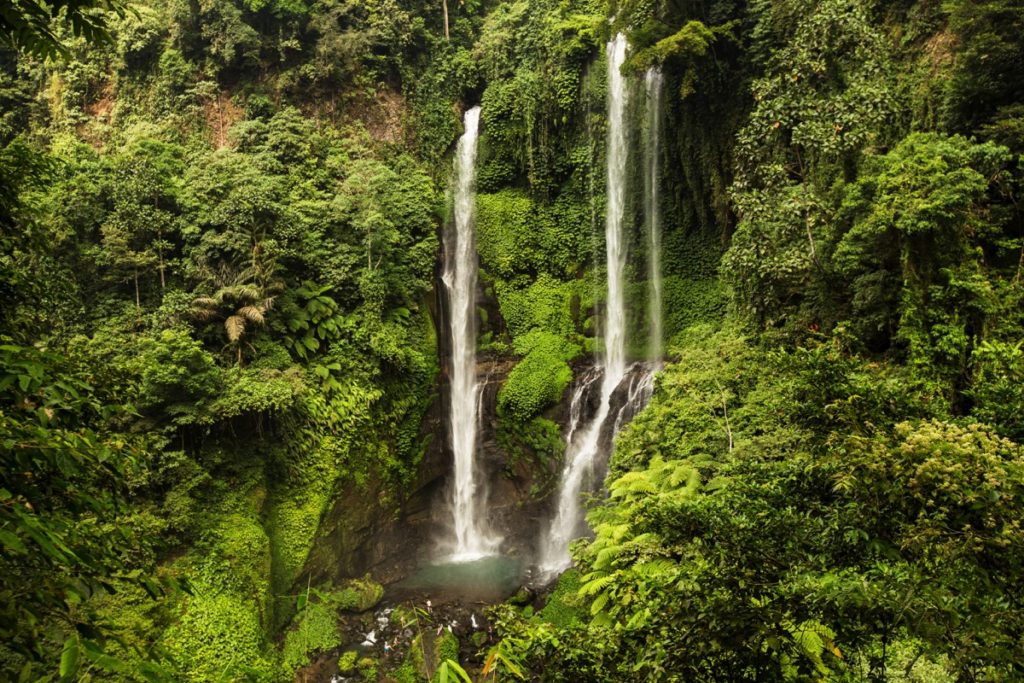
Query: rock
pixel 523 596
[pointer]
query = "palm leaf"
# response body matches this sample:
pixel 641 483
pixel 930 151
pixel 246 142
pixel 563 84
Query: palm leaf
pixel 251 313
pixel 235 326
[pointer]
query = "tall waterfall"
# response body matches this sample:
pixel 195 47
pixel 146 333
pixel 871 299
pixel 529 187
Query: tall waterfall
pixel 652 214
pixel 472 538
pixel 583 447
pixel 614 360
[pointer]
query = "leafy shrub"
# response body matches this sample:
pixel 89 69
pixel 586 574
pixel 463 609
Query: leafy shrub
pixel 540 378
pixel 314 630
pixel 998 387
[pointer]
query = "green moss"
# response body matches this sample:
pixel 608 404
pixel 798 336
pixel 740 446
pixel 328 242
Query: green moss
pixel 348 662
pixel 367 667
pixel 218 632
pixel 406 673
pixel 293 525
pixel 358 595
pixel 539 379
pixel 447 647
pixel 413 668
pixel 517 235
pixel 315 630
pixel 543 303
pixel 222 625
pixel 504 239
pixel 224 621
pixel 301 495
pixel 563 607
pixel 691 302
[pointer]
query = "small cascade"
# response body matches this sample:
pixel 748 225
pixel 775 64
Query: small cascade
pixel 588 442
pixel 639 389
pixel 580 393
pixel 652 214
pixel 472 538
pixel 585 445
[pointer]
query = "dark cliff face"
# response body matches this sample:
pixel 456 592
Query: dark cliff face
pixel 388 534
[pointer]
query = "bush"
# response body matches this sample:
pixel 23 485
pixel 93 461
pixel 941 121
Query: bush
pixel 539 379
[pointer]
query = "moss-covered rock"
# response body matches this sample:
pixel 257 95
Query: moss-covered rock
pixel 314 629
pixel 347 662
pixel 367 667
pixel 445 648
pixel 540 378
pixel 359 595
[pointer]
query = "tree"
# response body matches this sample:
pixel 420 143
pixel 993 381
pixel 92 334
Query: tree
pixel 28 24
pixel 825 96
pixel 64 515
pixel 138 232
pixel 920 214
pixel 242 298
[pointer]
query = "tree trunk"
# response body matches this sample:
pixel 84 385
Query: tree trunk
pixel 138 302
pixel 444 7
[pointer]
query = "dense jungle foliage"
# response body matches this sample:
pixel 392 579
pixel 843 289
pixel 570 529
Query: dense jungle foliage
pixel 220 225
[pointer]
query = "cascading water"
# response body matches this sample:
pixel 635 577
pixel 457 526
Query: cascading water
pixel 583 446
pixel 473 539
pixel 652 214
pixel 614 360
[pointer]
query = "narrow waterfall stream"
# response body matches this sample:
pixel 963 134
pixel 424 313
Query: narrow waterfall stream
pixel 583 448
pixel 472 538
pixel 652 215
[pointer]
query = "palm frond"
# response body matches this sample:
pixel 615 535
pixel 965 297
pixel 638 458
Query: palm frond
pixel 235 326
pixel 246 292
pixel 251 313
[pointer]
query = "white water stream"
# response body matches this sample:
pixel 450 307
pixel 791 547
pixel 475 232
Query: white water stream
pixel 473 539
pixel 652 214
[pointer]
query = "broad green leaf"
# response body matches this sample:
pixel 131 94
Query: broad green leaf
pixel 70 659
pixel 12 542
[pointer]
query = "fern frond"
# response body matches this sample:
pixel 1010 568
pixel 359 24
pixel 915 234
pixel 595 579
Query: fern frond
pixel 595 585
pixel 654 567
pixel 251 313
pixel 680 473
pixel 235 327
pixel 605 557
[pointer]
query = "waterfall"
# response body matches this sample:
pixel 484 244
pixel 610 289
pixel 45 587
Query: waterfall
pixel 472 538
pixel 614 360
pixel 652 214
pixel 584 445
